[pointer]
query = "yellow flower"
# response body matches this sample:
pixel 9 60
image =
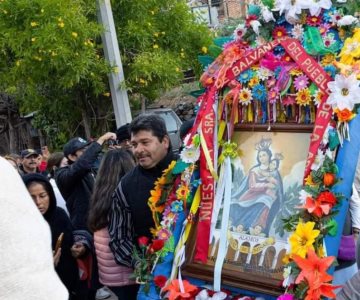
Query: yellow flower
pixel 303 238
pixel 142 81
pixel 327 59
pixel 155 46
pixel 18 63
pixel 253 81
pixel 156 34
pixel 303 97
pixel 74 34
pixel 170 167
pixel 182 192
pixel 204 49
pixel 296 72
pixel 161 181
pixel 61 24
pixel 106 94
pixel 177 69
pixel 309 181
pixel 34 24
pixel 182 54
pixel 33 39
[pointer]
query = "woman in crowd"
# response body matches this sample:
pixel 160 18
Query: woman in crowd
pixel 43 195
pixel 114 165
pixel 55 161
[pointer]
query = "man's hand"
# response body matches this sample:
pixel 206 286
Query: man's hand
pixel 107 136
pixel 78 250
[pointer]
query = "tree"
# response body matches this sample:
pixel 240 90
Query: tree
pixel 51 58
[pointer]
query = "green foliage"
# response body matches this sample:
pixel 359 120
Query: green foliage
pixel 51 57
pixel 158 39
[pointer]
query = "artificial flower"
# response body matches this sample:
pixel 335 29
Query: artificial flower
pixel 245 96
pixel 204 295
pixel 156 245
pixel 327 59
pixel 245 76
pixel 344 115
pixel 345 92
pixel 303 97
pixel 182 193
pixel 163 234
pixel 316 207
pixel 175 292
pixel 318 161
pixel 264 73
pixel 155 196
pixel 288 100
pixel 273 95
pixel 279 32
pixel 331 70
pixel 190 154
pixel 291 8
pixel 315 7
pixel 303 195
pixel 296 71
pixel 160 281
pixel 313 20
pixel 324 28
pixel 253 81
pixel 259 92
pixel 177 206
pixel 329 179
pixel 303 238
pixel 313 267
pixel 310 182
pixel 288 278
pixel 286 297
pixel 143 241
pixel 301 82
pixel 329 39
pixel 297 32
pixel 239 32
pixel 255 25
pixel 267 14
pixel 318 97
pixel 347 20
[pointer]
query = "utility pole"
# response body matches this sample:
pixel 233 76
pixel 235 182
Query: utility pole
pixel 119 95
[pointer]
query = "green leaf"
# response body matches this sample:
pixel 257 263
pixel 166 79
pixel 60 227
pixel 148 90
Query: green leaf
pixel 332 227
pixel 180 166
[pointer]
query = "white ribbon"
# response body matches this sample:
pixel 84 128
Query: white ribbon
pixel 222 250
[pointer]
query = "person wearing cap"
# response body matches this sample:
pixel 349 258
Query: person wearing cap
pixel 30 161
pixel 123 137
pixel 75 182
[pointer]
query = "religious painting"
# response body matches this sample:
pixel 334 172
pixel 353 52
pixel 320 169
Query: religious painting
pixel 266 184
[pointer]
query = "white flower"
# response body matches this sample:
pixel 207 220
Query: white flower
pixel 203 295
pixel 302 196
pixel 239 32
pixel 255 24
pixel 288 278
pixel 264 73
pixel 316 6
pixel 190 154
pixel 318 161
pixel 267 14
pixel 345 92
pixel 298 32
pixel 347 20
pixel 291 8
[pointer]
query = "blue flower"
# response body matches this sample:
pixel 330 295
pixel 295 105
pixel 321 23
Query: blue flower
pixel 245 76
pixel 328 14
pixel 176 206
pixel 331 70
pixel 279 50
pixel 259 92
pixel 281 19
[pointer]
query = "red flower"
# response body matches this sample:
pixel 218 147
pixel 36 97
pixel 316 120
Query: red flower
pixel 249 19
pixel 157 245
pixel 327 197
pixel 279 32
pixel 143 241
pixel 160 280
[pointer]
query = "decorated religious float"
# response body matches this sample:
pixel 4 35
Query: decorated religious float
pixel 256 203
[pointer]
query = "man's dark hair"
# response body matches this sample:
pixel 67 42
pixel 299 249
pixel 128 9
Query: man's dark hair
pixel 150 122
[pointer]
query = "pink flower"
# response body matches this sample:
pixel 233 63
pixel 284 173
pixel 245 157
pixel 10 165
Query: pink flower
pixel 301 82
pixel 286 297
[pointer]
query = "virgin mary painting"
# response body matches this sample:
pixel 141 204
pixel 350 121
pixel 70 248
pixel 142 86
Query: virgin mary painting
pixel 260 194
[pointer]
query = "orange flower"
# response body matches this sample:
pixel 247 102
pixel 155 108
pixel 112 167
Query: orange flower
pixel 344 115
pixel 175 292
pixel 182 192
pixel 321 205
pixel 313 271
pixel 154 199
pixel 329 179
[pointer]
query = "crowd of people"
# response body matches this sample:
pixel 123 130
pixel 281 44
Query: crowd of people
pixel 94 200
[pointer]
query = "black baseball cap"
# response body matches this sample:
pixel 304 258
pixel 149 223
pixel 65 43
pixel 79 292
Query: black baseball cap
pixel 123 133
pixel 74 145
pixel 28 152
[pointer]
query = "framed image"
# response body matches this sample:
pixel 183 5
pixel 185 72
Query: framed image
pixel 267 180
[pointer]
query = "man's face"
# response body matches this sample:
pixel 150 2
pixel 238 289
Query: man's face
pixel 74 157
pixel 147 148
pixel 31 162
